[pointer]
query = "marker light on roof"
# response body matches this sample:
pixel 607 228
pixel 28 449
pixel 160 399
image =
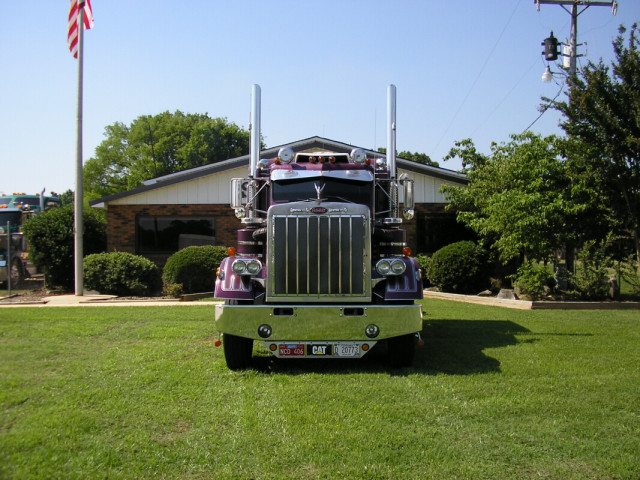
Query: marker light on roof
pixel 357 155
pixel 286 154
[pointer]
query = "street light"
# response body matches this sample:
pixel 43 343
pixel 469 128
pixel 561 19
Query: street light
pixel 547 76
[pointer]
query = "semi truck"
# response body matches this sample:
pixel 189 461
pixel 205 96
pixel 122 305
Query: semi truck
pixel 321 268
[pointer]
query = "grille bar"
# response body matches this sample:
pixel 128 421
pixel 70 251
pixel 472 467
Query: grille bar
pixel 319 256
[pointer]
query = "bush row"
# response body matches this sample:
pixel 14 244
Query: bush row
pixel 190 270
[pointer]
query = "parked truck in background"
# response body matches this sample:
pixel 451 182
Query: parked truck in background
pixel 321 268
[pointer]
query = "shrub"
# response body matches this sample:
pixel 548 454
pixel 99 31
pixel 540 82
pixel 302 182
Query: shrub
pixel 590 280
pixel 423 263
pixel 173 290
pixel 533 280
pixel 460 267
pixel 194 268
pixel 51 242
pixel 120 273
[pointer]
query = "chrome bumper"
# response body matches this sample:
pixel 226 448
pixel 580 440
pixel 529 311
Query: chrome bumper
pixel 318 322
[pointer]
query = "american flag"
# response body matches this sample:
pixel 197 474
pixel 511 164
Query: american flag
pixel 72 36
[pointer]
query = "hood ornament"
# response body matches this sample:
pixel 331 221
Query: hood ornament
pixel 319 190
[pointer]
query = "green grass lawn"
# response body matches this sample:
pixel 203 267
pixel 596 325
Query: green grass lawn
pixel 142 393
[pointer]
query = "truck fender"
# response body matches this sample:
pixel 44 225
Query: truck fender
pixel 407 286
pixel 232 286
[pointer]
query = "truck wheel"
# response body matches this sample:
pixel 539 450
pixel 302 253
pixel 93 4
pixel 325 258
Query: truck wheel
pixel 237 351
pixel 401 350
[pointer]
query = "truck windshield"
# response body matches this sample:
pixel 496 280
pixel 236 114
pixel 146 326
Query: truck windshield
pixel 5 200
pixel 13 217
pixel 333 190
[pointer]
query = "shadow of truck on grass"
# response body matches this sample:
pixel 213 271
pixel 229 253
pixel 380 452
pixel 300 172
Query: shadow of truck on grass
pixel 457 347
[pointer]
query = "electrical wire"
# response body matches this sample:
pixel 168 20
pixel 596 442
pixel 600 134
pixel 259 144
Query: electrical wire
pixel 484 65
pixel 544 110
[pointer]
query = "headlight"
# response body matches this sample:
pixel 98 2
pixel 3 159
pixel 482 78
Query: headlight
pixel 358 155
pixel 254 267
pixel 238 267
pixel 398 267
pixel 386 267
pixel 383 267
pixel 251 266
pixel 286 154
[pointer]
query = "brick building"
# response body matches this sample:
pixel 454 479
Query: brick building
pixel 192 207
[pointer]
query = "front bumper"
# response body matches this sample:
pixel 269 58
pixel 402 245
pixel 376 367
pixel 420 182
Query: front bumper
pixel 318 322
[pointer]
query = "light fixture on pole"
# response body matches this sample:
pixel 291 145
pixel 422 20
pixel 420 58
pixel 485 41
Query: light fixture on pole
pixel 547 76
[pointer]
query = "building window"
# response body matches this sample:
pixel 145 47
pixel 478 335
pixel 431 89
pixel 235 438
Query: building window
pixel 168 234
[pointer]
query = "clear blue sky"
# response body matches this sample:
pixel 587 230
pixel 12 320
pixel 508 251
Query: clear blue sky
pixel 463 69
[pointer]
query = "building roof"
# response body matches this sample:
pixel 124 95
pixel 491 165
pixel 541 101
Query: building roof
pixel 311 143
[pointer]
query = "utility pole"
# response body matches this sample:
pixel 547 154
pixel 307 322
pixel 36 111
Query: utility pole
pixel 574 12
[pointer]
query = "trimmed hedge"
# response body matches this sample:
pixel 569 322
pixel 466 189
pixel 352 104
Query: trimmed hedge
pixel 194 268
pixel 460 267
pixel 120 273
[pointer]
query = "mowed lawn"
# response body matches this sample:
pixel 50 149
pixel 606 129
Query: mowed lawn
pixel 142 392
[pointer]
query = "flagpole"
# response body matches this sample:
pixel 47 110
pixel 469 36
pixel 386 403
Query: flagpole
pixel 78 206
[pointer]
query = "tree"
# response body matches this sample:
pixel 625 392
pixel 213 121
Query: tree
pixel 50 237
pixel 158 145
pixel 518 199
pixel 602 122
pixel 414 157
pixel 66 198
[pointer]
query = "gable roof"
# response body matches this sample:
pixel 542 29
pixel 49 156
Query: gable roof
pixel 299 146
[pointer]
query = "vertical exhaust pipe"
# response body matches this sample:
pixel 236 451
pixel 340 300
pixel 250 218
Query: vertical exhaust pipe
pixel 391 131
pixel 391 155
pixel 255 130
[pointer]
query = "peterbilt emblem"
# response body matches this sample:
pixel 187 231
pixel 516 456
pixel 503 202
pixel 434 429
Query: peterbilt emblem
pixel 319 210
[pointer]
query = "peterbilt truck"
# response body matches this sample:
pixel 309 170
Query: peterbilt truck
pixel 321 268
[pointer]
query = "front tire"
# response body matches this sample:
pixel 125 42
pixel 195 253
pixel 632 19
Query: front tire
pixel 237 351
pixel 401 350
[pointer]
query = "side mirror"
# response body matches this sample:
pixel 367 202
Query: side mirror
pixel 238 192
pixel 409 201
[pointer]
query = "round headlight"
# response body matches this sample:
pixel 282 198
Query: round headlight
pixel 285 154
pixel 383 267
pixel 238 267
pixel 254 267
pixel 358 155
pixel 398 267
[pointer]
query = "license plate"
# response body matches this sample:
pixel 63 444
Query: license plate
pixel 319 350
pixel 347 350
pixel 291 350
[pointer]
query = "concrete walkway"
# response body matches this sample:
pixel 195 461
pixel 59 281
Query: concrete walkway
pixel 98 301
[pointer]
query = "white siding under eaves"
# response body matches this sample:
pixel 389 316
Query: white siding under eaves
pixel 209 189
pixel 214 189
pixel 426 188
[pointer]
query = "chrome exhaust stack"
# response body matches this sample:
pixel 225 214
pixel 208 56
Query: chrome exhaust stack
pixel 254 155
pixel 391 157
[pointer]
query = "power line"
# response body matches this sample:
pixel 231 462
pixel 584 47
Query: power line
pixel 546 107
pixel 484 65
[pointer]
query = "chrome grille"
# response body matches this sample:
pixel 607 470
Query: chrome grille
pixel 320 257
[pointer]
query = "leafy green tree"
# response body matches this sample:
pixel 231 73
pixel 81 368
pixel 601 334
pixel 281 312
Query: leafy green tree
pixel 66 198
pixel 414 157
pixel 518 199
pixel 152 146
pixel 51 242
pixel 602 122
